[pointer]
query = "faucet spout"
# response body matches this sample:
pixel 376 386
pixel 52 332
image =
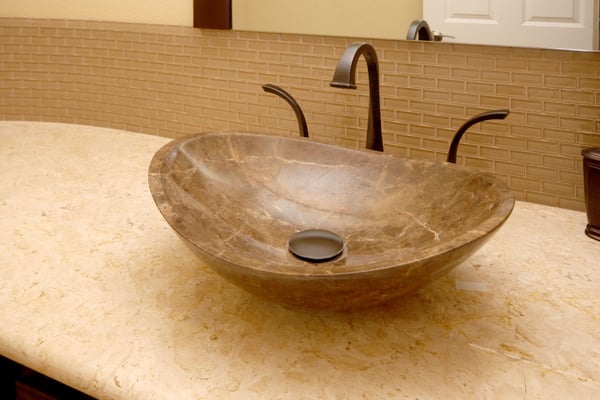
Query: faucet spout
pixel 419 30
pixel 345 77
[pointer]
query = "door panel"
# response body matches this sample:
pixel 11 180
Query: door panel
pixel 531 23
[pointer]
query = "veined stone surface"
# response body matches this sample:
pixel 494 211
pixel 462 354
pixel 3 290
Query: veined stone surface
pixel 236 199
pixel 98 292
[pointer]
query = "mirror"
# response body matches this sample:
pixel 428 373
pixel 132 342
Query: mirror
pixel 357 18
pixel 547 24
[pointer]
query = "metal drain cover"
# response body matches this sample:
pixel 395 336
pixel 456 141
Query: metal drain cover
pixel 315 245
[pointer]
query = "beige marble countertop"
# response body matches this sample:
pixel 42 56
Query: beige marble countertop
pixel 97 292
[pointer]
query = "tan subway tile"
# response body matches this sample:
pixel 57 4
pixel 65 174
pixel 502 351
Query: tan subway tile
pixel 399 56
pixel 572 204
pixel 525 157
pixel 409 69
pixel 452 85
pixel 464 98
pixel 559 108
pixel 436 95
pixel 422 82
pixel 559 135
pixel 436 120
pixel 526 78
pixel 455 60
pixel 436 71
pixel 408 140
pixel 393 79
pixel 526 184
pixel 577 124
pixel 571 177
pixel 465 73
pixel 526 131
pixel 508 142
pixel 450 110
pixel 409 117
pixel 541 198
pixel 570 150
pixel 509 168
pixel 558 162
pixel 461 48
pixel 422 106
pixel 544 66
pixel 495 76
pixel 511 90
pixel 494 102
pixel 589 83
pixel 588 139
pixel 422 58
pixel 542 146
pixel 480 62
pixel 542 173
pixel 560 81
pixel 478 163
pixel 526 52
pixel 409 93
pixel 559 189
pixel 580 68
pixel 492 126
pixel 494 153
pixel 421 130
pixel 439 146
pixel 592 112
pixel 397 150
pixel 511 64
pixel 543 93
pixel 395 127
pixel 526 105
pixel 421 154
pixel 480 87
pixel 395 103
pixel 544 120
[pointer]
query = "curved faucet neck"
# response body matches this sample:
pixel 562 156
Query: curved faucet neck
pixel 345 77
pixel 419 30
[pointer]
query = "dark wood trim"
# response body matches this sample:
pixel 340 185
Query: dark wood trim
pixel 212 14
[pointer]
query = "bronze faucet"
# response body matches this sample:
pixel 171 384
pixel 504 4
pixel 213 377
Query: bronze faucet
pixel 345 77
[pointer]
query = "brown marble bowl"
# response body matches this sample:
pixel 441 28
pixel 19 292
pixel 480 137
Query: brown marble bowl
pixel 236 198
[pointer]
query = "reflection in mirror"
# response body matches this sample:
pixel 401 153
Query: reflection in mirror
pixel 569 24
pixel 386 19
pixel 565 24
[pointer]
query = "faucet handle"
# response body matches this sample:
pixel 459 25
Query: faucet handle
pixel 438 36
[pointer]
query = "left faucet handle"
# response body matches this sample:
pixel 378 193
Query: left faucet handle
pixel 302 126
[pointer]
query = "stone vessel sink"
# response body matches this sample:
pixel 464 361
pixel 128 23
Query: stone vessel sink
pixel 237 198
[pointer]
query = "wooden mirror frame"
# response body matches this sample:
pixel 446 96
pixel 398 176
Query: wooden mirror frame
pixel 212 14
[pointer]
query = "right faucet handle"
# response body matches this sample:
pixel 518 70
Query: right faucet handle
pixel 495 114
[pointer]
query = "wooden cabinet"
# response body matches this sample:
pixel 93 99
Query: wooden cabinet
pixel 21 383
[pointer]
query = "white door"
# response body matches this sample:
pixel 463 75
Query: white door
pixel 571 24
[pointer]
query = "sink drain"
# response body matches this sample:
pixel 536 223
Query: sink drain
pixel 315 245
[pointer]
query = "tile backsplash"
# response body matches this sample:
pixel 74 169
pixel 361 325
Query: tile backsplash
pixel 174 81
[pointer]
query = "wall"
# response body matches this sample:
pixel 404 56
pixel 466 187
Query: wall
pixel 174 81
pixel 172 12
pixel 332 17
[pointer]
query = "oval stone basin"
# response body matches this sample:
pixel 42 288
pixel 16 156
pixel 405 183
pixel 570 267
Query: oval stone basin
pixel 237 198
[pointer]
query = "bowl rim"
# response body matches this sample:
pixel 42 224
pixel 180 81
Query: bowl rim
pixel 305 268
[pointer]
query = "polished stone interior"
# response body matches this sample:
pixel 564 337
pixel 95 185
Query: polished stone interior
pixel 237 198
